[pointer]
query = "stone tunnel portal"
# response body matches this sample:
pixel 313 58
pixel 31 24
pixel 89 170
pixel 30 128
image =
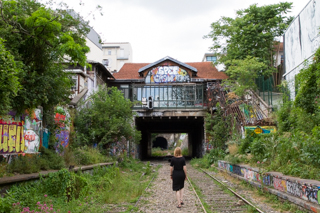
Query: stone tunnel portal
pixel 194 126
pixel 160 142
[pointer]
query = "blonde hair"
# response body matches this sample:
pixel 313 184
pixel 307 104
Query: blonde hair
pixel 177 152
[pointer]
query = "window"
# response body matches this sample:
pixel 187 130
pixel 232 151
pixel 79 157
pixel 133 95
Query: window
pixel 74 86
pixel 109 52
pixel 121 52
pixel 211 58
pixel 105 62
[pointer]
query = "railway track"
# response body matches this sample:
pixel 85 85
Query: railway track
pixel 217 197
pixel 203 193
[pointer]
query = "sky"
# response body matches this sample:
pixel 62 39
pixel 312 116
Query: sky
pixel 160 28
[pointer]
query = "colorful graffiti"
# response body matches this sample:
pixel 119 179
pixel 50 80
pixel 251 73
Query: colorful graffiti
pixel 21 133
pixel 261 129
pixel 167 74
pixel 308 192
pixel 279 184
pixel 62 119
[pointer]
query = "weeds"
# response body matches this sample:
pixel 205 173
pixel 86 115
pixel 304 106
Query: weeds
pixel 80 192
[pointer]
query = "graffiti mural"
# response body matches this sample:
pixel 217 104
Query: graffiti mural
pixel 308 192
pixel 62 119
pixel 167 74
pixel 294 188
pixel 267 180
pixel 21 133
pixel 279 184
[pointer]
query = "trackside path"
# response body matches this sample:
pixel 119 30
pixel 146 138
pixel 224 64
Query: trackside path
pixel 160 197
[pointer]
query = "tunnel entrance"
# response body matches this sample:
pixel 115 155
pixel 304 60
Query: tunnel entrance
pixel 155 131
pixel 160 142
pixel 164 144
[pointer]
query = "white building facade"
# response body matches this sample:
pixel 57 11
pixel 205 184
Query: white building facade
pixel 115 54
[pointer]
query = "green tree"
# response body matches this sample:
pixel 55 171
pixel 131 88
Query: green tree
pixel 108 118
pixel 242 74
pixel 251 33
pixel 9 84
pixel 41 40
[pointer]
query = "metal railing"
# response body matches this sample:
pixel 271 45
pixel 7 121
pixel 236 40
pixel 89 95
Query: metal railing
pixel 173 96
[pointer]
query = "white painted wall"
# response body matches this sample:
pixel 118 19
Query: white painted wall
pixel 121 52
pixel 301 41
pixel 95 53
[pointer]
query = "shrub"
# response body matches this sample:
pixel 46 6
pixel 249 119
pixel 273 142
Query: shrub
pixel 185 152
pixel 87 155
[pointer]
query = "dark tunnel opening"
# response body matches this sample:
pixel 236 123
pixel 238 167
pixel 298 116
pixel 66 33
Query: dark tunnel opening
pixel 192 126
pixel 160 142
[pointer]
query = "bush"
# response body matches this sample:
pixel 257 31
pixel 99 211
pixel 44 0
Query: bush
pixel 50 159
pixel 209 159
pixel 185 152
pixel 24 164
pixel 86 156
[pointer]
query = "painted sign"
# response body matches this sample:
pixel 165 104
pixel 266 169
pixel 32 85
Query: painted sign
pixel 167 74
pixel 261 129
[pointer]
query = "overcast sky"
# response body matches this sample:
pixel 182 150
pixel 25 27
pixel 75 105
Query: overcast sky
pixel 159 28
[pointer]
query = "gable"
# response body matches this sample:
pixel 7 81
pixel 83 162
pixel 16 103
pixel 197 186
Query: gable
pixel 167 70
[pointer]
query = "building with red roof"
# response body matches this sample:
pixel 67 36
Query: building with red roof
pixel 169 97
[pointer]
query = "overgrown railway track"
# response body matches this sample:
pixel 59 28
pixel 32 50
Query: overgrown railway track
pixel 203 193
pixel 215 196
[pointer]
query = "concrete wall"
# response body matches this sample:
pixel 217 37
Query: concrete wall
pixel 304 189
pixel 301 40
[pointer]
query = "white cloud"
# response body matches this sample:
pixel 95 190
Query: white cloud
pixel 157 28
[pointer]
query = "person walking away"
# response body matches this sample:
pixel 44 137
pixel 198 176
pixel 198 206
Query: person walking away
pixel 178 173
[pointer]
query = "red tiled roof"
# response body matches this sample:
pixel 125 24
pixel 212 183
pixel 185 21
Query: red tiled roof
pixel 205 71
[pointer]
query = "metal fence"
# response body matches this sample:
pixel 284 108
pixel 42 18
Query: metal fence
pixel 166 96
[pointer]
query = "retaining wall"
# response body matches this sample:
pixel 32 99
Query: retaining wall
pixel 303 192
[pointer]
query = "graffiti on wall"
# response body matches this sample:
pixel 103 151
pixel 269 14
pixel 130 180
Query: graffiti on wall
pixel 279 184
pixel 21 134
pixel 62 119
pixel 167 74
pixel 306 192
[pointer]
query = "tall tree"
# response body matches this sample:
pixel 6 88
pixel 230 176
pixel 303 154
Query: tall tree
pixel 41 40
pixel 252 33
pixel 242 74
pixel 9 81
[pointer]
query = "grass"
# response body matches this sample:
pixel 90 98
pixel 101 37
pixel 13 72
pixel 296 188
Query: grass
pixel 158 152
pixel 51 160
pixel 120 186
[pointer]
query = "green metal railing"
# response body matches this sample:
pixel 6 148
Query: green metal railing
pixel 265 89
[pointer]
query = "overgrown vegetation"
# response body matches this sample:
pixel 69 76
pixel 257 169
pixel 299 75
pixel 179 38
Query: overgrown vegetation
pixel 81 192
pixel 294 149
pixel 108 119
pixel 51 160
pixel 246 44
pixel 35 42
